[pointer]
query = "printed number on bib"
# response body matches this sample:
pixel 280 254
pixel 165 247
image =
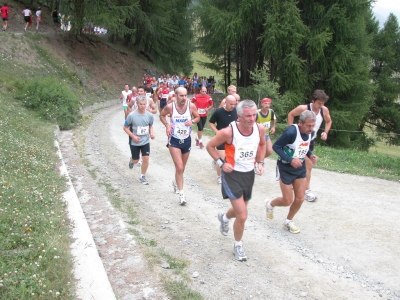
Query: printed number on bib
pixel 300 152
pixel 266 125
pixel 148 95
pixel 201 111
pixel 181 131
pixel 245 153
pixel 142 130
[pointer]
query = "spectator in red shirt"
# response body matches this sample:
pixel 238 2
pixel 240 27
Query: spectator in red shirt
pixel 203 103
pixel 5 11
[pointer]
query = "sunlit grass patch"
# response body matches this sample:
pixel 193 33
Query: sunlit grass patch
pixel 34 231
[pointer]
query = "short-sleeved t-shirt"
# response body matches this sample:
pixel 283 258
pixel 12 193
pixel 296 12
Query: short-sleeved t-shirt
pixel 202 102
pixel 4 12
pixel 139 126
pixel 223 117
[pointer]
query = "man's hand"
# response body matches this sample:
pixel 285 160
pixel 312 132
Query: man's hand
pixel 296 163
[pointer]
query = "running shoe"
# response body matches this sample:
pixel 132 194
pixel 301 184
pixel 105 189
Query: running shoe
pixel 201 145
pixel 182 199
pixel 309 196
pixel 130 163
pixel 143 180
pixel 291 227
pixel 224 228
pixel 197 142
pixel 270 212
pixel 175 187
pixel 219 181
pixel 239 253
pixel 213 164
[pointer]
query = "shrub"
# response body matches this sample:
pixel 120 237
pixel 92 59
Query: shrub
pixel 51 98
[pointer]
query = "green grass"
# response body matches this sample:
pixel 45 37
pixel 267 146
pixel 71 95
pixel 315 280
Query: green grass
pixel 34 231
pixel 203 71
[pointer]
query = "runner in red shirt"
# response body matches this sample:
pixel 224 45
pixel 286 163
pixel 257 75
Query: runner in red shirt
pixel 5 11
pixel 203 104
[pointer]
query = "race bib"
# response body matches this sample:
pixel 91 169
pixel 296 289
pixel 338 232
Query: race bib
pixel 245 153
pixel 201 111
pixel 142 130
pixel 148 95
pixel 266 125
pixel 301 151
pixel 181 131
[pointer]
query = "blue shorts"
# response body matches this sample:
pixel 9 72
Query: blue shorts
pixel 267 137
pixel 185 145
pixel 163 103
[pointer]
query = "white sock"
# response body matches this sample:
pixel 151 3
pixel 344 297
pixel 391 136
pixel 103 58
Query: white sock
pixel 269 205
pixel 287 221
pixel 238 243
pixel 141 175
pixel 181 193
pixel 200 141
pixel 224 218
pixel 307 191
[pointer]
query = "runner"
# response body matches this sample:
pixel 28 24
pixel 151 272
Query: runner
pixel 5 11
pixel 317 105
pixel 27 16
pixel 231 91
pixel 124 94
pixel 292 147
pixel 38 18
pixel 163 93
pixel 139 126
pixel 203 103
pixel 223 116
pixel 267 118
pixel 150 106
pixel 178 133
pixel 245 148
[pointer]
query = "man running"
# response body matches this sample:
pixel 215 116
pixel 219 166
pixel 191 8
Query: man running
pixel 317 105
pixel 267 118
pixel 245 149
pixel 139 126
pixel 223 116
pixel 27 16
pixel 293 146
pixel 5 11
pixel 203 103
pixel 124 95
pixel 231 91
pixel 183 115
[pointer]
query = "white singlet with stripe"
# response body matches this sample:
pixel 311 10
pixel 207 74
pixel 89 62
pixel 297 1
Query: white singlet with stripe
pixel 241 154
pixel 318 121
pixel 125 94
pixel 179 129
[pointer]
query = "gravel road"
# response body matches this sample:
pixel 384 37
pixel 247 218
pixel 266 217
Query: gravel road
pixel 348 247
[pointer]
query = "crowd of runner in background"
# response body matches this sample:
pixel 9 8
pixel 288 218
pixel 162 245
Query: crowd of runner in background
pixel 192 84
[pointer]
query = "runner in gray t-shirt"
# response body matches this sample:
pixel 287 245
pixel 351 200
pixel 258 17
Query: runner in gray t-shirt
pixel 139 126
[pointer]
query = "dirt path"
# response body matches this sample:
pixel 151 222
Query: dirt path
pixel 348 247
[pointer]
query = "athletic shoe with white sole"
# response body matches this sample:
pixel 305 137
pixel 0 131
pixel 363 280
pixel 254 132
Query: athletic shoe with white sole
pixel 224 227
pixel 292 227
pixel 309 196
pixel 143 180
pixel 182 199
pixel 239 253
pixel 269 211
pixel 175 187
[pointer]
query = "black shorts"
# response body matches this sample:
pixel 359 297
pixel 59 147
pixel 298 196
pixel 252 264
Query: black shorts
pixel 221 147
pixel 27 19
pixel 55 20
pixel 237 184
pixel 144 149
pixel 288 174
pixel 5 19
pixel 163 103
pixel 185 145
pixel 202 122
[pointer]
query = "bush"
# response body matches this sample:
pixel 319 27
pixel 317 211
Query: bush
pixel 52 99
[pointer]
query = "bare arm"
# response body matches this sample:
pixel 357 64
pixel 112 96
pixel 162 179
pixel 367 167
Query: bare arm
pixel 213 127
pixel 295 112
pixel 195 114
pixel 152 107
pixel 222 103
pixel 328 123
pixel 135 138
pixel 167 110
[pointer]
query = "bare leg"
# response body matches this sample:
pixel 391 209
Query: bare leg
pixel 268 151
pixel 145 164
pixel 180 161
pixel 239 212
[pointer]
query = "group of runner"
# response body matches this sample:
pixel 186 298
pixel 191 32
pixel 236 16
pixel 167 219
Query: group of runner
pixel 238 149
